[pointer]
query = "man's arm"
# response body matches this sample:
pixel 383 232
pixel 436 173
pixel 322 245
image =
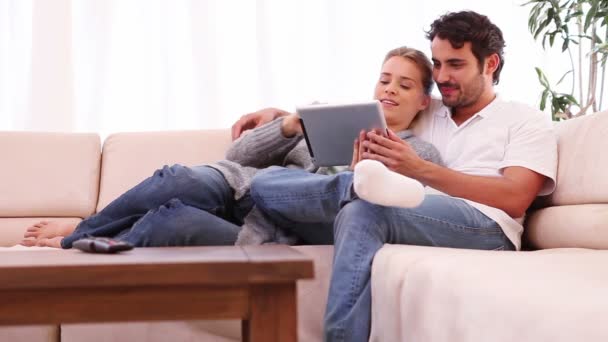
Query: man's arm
pixel 513 192
pixel 266 145
pixel 255 119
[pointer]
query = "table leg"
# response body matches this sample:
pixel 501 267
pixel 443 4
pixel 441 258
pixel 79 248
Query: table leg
pixel 272 315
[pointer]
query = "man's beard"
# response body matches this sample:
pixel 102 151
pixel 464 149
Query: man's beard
pixel 468 97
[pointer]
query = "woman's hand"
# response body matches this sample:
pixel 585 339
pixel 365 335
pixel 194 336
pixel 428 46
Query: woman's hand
pixel 357 150
pixel 396 154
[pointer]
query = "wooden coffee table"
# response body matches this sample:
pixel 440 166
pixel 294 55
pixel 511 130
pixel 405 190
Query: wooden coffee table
pixel 256 284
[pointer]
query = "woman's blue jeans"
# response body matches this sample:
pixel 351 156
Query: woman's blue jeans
pixel 310 204
pixel 176 206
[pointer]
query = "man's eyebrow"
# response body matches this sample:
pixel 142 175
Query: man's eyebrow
pixel 455 60
pixel 451 60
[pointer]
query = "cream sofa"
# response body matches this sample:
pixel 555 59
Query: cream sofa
pixel 419 293
pixel 65 177
pixel 555 293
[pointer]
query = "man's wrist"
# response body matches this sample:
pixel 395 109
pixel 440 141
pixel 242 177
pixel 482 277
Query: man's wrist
pixel 290 126
pixel 425 171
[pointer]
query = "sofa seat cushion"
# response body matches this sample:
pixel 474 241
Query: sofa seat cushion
pixel 50 174
pixel 146 332
pixel 583 226
pixel 13 228
pixel 439 294
pixel 30 333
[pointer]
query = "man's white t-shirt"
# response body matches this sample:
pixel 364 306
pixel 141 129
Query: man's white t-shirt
pixel 502 134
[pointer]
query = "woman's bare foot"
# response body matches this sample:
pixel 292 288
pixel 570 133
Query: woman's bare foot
pixel 47 230
pixel 52 242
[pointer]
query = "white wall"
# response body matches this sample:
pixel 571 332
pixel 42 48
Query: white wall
pixel 125 65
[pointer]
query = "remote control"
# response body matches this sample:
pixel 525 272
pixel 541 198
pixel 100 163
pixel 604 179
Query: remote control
pixel 101 245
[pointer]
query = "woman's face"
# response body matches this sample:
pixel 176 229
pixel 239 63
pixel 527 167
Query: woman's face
pixel 400 91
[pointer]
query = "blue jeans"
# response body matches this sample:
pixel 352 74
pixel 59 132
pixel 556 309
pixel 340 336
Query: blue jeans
pixel 176 206
pixel 360 229
pixel 303 203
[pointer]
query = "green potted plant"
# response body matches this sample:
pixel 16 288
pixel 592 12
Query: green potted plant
pixel 582 26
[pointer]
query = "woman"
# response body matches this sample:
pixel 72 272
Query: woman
pixel 205 205
pixel 305 205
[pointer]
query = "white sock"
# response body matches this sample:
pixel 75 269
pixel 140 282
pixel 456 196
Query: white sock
pixel 375 183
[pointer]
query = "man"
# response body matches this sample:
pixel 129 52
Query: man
pixel 499 156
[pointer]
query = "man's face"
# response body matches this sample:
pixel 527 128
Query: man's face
pixel 457 73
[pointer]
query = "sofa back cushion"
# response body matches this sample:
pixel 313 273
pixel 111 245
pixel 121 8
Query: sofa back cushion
pixel 583 161
pixel 49 174
pixel 129 158
pixel 576 214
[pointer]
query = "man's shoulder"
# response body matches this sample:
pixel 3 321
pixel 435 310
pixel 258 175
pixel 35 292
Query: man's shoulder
pixel 516 115
pixel 424 120
pixel 516 110
pixel 436 107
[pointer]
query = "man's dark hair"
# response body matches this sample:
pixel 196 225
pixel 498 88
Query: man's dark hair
pixel 468 26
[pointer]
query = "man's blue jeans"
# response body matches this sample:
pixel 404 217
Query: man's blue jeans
pixel 298 201
pixel 176 206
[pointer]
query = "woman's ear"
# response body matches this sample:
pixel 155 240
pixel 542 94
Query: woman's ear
pixel 426 101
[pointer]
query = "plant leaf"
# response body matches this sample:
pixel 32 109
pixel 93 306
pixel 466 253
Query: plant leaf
pixel 565 44
pixel 542 26
pixel 573 15
pixel 598 40
pixel 554 105
pixel 590 16
pixel 564 76
pixel 569 99
pixel 543 100
pixel 531 2
pixel 542 78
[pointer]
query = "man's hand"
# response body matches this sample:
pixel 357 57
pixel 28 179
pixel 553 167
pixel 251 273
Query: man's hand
pixel 396 154
pixel 255 119
pixel 291 126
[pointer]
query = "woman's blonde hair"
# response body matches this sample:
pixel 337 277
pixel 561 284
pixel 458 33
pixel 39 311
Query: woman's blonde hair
pixel 422 62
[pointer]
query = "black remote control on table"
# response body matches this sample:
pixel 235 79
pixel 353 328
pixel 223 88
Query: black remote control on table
pixel 101 245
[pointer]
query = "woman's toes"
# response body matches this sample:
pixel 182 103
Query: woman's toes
pixel 28 242
pixel 41 242
pixel 31 234
pixel 53 242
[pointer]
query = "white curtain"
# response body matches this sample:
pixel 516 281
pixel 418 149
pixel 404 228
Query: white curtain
pixel 15 62
pixel 133 65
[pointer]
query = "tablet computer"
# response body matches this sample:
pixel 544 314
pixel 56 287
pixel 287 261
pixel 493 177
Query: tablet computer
pixel 331 129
